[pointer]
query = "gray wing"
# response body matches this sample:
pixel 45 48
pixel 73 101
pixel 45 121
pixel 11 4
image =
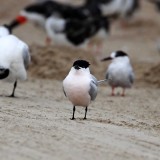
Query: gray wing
pixel 94 79
pixel 93 88
pixel 107 75
pixel 26 56
pixel 131 77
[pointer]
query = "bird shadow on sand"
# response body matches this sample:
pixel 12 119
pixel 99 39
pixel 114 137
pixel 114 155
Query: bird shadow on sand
pixel 105 121
pixel 82 120
pixel 8 96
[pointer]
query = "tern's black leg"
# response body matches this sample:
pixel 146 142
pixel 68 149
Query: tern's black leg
pixel 85 113
pixel 74 108
pixel 14 87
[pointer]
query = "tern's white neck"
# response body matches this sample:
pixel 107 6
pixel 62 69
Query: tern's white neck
pixel 124 59
pixel 80 72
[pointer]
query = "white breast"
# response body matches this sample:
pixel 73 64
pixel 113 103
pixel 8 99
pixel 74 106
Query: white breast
pixel 77 89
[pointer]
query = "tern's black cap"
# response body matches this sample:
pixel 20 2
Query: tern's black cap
pixel 120 54
pixel 81 63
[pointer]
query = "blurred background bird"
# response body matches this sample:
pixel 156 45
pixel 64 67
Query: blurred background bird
pixel 74 32
pixel 119 72
pixel 84 16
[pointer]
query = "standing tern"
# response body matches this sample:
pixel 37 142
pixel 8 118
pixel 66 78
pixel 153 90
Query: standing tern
pixel 80 86
pixel 119 72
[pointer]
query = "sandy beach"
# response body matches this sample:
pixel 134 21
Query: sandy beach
pixel 36 124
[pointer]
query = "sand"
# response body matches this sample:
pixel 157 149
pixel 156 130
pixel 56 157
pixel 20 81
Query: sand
pixel 36 124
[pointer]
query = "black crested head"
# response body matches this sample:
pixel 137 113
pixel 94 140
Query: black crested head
pixel 81 64
pixel 4 73
pixel 120 54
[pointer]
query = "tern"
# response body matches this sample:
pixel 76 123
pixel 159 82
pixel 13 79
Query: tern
pixel 120 72
pixel 80 86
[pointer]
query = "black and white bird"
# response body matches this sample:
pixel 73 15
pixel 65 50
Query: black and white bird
pixel 118 8
pixel 80 86
pixel 14 58
pixel 41 13
pixel 38 12
pixel 74 32
pixel 120 72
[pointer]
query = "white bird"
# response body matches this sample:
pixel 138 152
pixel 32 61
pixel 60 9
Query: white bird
pixel 80 86
pixel 119 72
pixel 14 58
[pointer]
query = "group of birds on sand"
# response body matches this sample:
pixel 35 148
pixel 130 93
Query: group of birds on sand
pixel 75 25
pixel 80 86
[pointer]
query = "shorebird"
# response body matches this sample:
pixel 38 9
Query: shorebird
pixel 119 72
pixel 38 12
pixel 80 86
pixel 14 58
pixel 76 33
